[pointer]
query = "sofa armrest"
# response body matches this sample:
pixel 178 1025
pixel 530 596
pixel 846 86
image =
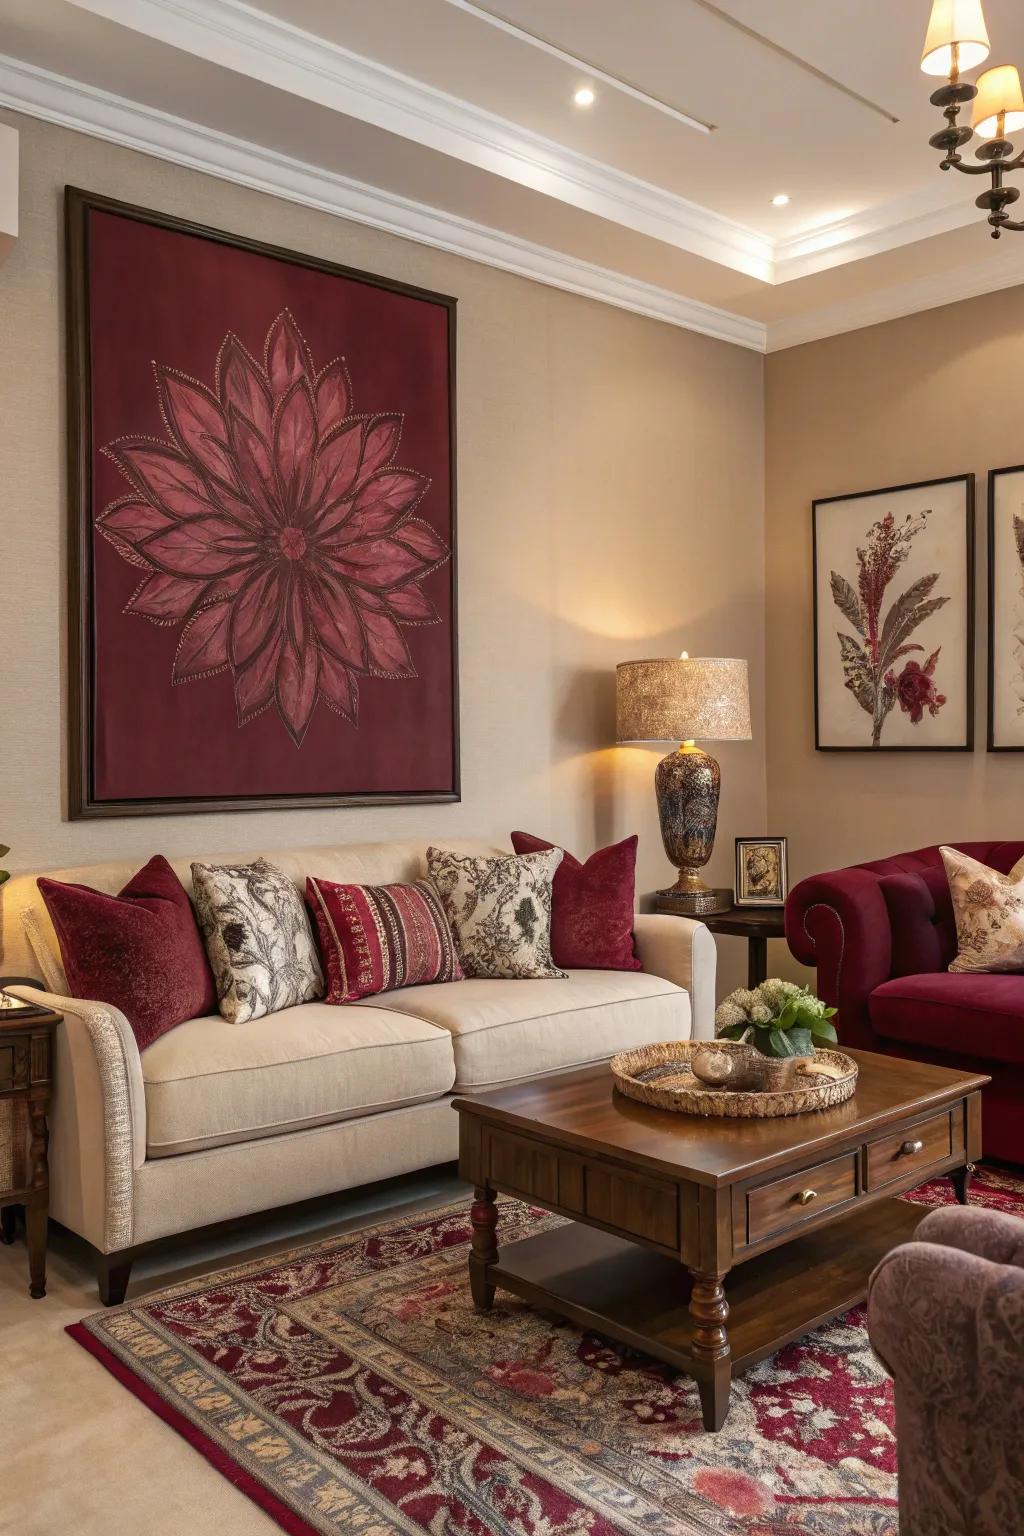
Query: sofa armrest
pixel 682 950
pixel 98 1119
pixel 947 1326
pixel 839 923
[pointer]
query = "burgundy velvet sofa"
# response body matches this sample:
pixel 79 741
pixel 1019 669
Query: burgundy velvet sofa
pixel 881 936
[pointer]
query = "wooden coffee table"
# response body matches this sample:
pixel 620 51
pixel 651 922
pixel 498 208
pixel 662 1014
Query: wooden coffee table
pixel 708 1243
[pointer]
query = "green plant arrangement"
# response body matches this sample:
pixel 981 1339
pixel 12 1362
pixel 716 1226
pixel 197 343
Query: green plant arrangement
pixel 778 1018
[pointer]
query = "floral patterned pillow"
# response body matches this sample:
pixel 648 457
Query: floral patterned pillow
pixel 258 939
pixel 989 912
pixel 499 909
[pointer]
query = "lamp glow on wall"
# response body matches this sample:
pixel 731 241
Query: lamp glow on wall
pixel 957 40
pixel 683 699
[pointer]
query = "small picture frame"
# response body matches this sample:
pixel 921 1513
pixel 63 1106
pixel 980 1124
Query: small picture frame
pixel 761 879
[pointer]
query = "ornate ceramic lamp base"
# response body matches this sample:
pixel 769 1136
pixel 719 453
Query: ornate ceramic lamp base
pixel 687 783
pixel 702 903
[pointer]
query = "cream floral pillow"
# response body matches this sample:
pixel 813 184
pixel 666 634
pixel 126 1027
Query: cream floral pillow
pixel 499 910
pixel 989 912
pixel 258 939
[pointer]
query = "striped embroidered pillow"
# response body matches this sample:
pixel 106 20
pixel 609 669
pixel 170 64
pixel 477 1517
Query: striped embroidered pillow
pixel 374 938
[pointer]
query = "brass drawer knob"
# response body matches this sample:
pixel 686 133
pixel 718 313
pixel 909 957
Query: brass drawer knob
pixel 911 1148
pixel 806 1196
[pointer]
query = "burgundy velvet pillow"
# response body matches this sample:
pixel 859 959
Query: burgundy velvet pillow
pixel 140 951
pixel 592 906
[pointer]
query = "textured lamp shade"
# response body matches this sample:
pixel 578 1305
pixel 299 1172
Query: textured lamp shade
pixel 998 92
pixel 955 22
pixel 682 699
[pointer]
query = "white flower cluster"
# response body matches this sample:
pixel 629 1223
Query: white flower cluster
pixel 758 1006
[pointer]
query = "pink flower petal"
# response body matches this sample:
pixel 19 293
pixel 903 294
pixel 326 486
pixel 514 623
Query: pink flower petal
pixel 255 614
pixel 378 563
pixel 254 684
pixel 164 477
pixel 389 654
pixel 192 415
pixel 242 386
pixel 411 604
pixel 166 599
pixel 255 467
pixel 286 355
pixel 384 501
pixel 132 520
pixel 295 442
pixel 203 647
pixel 296 686
pixel 421 538
pixel 296 609
pixel 338 687
pixel 334 618
pixel 336 467
pixel 200 548
pixel 333 395
pixel 382 437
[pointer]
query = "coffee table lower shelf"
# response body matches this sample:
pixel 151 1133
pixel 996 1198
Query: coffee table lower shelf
pixel 641 1298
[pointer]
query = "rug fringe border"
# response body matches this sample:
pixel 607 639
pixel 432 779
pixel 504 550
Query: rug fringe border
pixel 218 1458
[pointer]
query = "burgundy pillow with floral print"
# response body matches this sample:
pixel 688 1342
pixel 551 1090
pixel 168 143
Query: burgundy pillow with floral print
pixel 592 906
pixel 140 951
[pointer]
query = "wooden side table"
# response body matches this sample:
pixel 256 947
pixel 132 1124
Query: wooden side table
pixel 755 924
pixel 26 1079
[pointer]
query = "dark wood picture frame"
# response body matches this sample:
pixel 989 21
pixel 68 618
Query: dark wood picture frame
pixel 993 474
pixel 968 481
pixel 754 902
pixel 82 801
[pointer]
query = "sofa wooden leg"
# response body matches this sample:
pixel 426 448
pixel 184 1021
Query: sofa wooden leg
pixel 8 1223
pixel 113 1271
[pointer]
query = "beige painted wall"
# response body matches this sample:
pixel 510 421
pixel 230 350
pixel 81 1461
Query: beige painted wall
pixel 933 394
pixel 610 506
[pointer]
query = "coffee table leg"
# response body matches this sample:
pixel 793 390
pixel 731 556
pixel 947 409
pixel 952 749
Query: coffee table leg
pixel 960 1179
pixel 710 1347
pixel 484 1219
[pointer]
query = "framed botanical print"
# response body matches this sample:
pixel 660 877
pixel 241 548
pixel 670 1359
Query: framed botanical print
pixel 761 879
pixel 1006 610
pixel 262 524
pixel 894 618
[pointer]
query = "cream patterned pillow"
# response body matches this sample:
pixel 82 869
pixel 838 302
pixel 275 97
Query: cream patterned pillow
pixel 258 939
pixel 989 912
pixel 499 910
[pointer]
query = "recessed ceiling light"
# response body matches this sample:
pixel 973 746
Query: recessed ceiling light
pixel 780 199
pixel 584 97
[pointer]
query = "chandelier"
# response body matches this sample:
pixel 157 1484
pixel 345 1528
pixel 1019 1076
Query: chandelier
pixel 957 40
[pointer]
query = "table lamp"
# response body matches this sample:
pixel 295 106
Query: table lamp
pixel 672 699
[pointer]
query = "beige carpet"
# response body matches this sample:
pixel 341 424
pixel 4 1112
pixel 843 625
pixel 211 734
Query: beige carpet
pixel 80 1454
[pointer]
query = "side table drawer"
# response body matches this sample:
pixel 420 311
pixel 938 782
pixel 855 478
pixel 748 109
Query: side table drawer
pixel 907 1152
pixel 774 1208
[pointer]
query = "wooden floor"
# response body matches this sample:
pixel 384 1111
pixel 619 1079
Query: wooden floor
pixel 641 1298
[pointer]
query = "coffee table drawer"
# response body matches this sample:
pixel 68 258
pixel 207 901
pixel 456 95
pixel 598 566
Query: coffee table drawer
pixel 896 1157
pixel 774 1208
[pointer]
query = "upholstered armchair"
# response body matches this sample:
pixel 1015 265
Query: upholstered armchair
pixel 946 1318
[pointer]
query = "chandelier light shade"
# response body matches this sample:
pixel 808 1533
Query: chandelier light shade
pixel 680 699
pixel 998 108
pixel 957 40
pixel 955 25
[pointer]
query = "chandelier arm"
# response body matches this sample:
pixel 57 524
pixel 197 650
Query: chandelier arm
pixel 1010 224
pixel 955 163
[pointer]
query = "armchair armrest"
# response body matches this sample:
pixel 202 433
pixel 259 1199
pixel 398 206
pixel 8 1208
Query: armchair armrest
pixel 839 923
pixel 682 950
pixel 98 1119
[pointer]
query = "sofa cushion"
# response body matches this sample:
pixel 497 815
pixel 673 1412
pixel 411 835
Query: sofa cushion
pixel 377 938
pixel 981 1016
pixel 592 906
pixel 209 1082
pixel 507 1030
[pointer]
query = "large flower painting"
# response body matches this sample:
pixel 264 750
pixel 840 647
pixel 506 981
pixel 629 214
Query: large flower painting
pixel 1006 610
pixel 893 616
pixel 267 477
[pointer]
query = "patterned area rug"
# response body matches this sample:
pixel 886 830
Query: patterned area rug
pixel 351 1388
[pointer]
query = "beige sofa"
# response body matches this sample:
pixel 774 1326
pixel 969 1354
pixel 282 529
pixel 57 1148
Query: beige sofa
pixel 216 1120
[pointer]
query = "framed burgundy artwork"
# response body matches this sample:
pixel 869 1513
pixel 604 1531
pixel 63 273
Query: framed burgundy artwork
pixel 262 525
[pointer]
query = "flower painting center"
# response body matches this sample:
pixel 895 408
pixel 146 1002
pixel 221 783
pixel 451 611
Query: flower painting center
pixel 292 542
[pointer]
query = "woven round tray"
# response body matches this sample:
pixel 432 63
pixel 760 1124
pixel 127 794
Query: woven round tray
pixel 660 1075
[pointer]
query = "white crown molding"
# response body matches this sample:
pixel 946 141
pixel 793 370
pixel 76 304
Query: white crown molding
pixel 967 282
pixel 262 47
pixel 8 188
pixel 85 109
pixel 916 216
